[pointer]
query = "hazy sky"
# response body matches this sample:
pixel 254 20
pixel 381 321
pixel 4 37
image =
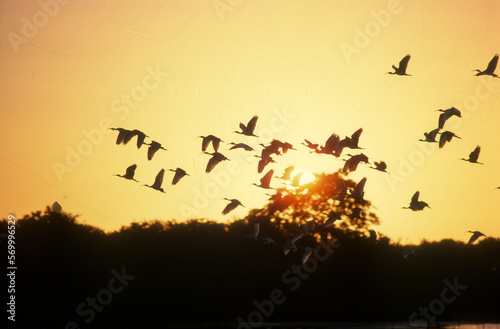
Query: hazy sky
pixel 180 69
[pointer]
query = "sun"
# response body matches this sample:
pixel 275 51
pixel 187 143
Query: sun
pixel 306 178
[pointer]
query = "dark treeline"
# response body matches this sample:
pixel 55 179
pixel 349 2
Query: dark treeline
pixel 158 274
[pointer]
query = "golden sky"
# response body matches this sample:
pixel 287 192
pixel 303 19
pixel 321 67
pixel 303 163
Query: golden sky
pixel 180 69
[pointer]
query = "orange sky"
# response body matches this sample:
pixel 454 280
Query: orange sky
pixel 180 69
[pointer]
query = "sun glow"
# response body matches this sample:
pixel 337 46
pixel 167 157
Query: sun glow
pixel 306 177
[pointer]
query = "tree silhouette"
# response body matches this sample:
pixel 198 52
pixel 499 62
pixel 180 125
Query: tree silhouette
pixel 327 195
pixel 200 272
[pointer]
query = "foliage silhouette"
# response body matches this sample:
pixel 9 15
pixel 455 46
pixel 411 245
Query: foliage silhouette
pixel 201 272
pixel 313 202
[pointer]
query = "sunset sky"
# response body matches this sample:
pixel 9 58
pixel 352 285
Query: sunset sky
pixel 180 69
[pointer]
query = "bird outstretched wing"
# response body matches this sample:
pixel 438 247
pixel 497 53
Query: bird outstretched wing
pixel 332 143
pixel 159 179
pixel 475 235
pixel 254 232
pixel 233 204
pixel 179 173
pixel 442 120
pixel 474 155
pixel 355 136
pixel 211 164
pixel 204 143
pixel 455 111
pixel 492 65
pixel 251 124
pixel 442 140
pixel 433 133
pixel 121 135
pixel 296 179
pixel 382 166
pixel 266 180
pixel 414 198
pixel 129 173
pixel 153 148
pixel 358 190
pixel 403 64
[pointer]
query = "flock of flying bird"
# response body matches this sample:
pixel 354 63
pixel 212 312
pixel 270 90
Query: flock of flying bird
pixel 446 136
pixel 124 136
pixel 333 146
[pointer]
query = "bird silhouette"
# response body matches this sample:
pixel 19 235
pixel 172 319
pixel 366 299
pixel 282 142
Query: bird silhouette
pixel 446 136
pixel 277 196
pixel 475 235
pixel 296 179
pixel 153 148
pixel 380 166
pixel 272 148
pixel 266 240
pixel 310 145
pixel 448 113
pixel 430 137
pixel 179 173
pixel 285 147
pixel 492 65
pixel 254 232
pixel 474 155
pixel 265 159
pixel 210 139
pixel 56 207
pixel 276 145
pixel 352 142
pixel 352 163
pixel 340 191
pixel 415 204
pixel 403 64
pixel 358 192
pixel 287 175
pixel 121 134
pixel 249 128
pixel 331 145
pixel 129 173
pixel 297 237
pixel 158 181
pixel 307 227
pixel 333 216
pixel 307 253
pixel 241 146
pixel 231 205
pixel 266 180
pixel 290 246
pixel 214 160
pixel 409 252
pixel 140 137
